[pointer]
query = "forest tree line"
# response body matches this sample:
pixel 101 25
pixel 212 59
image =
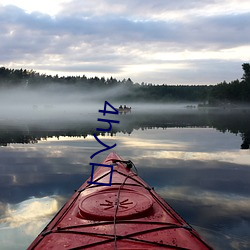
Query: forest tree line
pixel 236 91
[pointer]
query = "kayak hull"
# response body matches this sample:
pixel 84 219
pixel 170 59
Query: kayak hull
pixel 129 214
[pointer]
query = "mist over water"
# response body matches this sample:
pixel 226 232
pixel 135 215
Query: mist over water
pixel 59 107
pixel 54 102
pixel 61 102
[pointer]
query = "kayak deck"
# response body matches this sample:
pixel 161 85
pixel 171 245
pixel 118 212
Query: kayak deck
pixel 129 214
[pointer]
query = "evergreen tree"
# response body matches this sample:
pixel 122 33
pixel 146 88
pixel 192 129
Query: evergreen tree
pixel 246 69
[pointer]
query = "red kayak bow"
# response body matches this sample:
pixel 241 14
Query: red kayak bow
pixel 129 214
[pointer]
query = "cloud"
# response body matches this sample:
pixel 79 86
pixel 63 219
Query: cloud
pixel 116 30
pixel 95 38
pixel 144 10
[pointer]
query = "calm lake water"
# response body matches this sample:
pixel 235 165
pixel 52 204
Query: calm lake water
pixel 197 160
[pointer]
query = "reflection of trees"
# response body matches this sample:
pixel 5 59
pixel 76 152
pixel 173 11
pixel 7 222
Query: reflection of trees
pixel 19 134
pixel 16 137
pixel 234 121
pixel 246 141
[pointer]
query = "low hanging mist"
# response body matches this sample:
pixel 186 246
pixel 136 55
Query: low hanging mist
pixel 50 103
pixel 61 102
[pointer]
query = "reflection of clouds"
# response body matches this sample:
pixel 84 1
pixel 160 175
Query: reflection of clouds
pixel 228 203
pixel 29 212
pixel 222 219
pixel 234 156
pixel 2 209
pixel 206 176
pixel 186 139
pixel 203 144
pixel 52 157
pixel 228 239
pixel 156 139
pixel 173 143
pixel 149 144
pixel 22 222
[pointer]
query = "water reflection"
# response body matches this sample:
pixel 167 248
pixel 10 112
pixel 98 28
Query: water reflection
pixel 29 210
pixel 20 222
pixel 193 162
pixel 234 121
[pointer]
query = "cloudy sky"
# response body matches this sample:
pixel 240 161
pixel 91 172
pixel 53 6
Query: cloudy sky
pixel 157 41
